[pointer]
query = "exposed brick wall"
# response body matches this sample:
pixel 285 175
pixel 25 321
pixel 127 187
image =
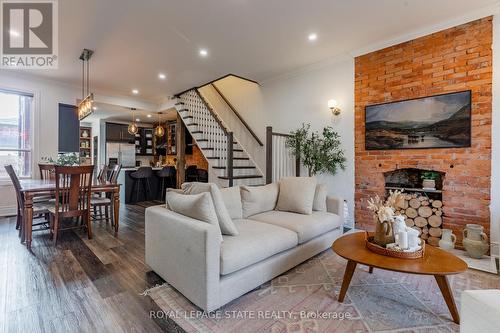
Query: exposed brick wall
pixel 452 60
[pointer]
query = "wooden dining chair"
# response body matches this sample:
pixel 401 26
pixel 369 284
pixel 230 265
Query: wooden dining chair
pixel 73 188
pixel 103 173
pixel 39 209
pixel 104 200
pixel 47 171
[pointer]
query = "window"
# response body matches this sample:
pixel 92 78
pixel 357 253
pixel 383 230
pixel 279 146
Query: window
pixel 15 132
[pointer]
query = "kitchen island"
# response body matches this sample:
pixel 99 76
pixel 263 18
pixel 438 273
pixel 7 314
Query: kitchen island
pixel 126 189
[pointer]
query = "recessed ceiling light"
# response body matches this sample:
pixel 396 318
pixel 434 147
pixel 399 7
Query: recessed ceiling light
pixel 312 37
pixel 149 116
pixel 203 52
pixel 135 91
pixel 137 119
pixel 162 76
pixel 94 108
pixel 14 33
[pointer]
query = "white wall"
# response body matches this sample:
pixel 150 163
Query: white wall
pixel 47 96
pixel 288 101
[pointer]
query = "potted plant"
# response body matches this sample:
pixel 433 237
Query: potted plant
pixel 429 179
pixel 320 153
pixel 66 159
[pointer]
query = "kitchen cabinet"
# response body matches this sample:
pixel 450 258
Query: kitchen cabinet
pixel 144 142
pixel 118 133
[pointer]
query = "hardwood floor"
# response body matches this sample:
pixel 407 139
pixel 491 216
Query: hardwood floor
pixel 80 285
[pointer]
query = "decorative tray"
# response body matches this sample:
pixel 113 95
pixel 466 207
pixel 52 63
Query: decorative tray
pixel 393 253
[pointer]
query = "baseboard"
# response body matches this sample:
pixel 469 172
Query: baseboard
pixel 8 211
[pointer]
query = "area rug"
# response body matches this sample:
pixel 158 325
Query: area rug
pixel 304 299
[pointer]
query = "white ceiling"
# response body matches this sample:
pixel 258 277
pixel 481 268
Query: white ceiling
pixel 110 112
pixel 135 40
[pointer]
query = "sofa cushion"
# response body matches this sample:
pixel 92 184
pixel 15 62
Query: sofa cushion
pixel 256 241
pixel 319 203
pixel 296 194
pixel 258 199
pixel 307 227
pixel 226 224
pixel 197 206
pixel 232 201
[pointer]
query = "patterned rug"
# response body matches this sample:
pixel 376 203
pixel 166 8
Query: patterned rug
pixel 304 299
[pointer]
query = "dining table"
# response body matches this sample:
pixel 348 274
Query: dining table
pixel 35 188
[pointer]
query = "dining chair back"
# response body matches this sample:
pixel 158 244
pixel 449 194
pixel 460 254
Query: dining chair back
pixel 115 172
pixel 103 173
pixel 47 171
pixel 17 188
pixel 73 188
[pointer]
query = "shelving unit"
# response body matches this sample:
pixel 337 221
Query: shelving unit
pixel 86 144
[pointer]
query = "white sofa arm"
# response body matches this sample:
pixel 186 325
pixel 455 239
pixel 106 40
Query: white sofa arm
pixel 480 311
pixel 186 253
pixel 335 205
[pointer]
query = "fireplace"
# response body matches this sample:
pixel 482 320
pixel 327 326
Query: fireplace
pixel 422 207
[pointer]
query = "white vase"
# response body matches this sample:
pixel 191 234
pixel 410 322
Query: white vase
pixel 429 183
pixel 448 239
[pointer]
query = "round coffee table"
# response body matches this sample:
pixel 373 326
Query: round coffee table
pixel 435 262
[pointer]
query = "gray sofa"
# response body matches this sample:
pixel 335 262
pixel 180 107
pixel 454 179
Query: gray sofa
pixel 189 255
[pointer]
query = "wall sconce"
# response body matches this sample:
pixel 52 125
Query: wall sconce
pixel 333 106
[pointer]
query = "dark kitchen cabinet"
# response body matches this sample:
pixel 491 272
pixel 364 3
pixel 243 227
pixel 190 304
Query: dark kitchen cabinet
pixel 118 133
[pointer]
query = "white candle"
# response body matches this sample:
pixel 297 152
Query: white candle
pixel 402 239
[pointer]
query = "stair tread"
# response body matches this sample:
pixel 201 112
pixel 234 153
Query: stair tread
pixel 236 167
pixel 241 177
pixel 192 124
pixel 196 132
pixel 234 158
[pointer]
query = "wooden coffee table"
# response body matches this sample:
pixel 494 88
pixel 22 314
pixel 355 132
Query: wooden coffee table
pixel 435 262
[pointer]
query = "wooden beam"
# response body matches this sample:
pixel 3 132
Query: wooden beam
pixel 180 146
pixel 269 154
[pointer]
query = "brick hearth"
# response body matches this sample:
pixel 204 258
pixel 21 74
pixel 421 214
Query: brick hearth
pixel 455 59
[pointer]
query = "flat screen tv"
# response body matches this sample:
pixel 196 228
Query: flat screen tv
pixel 441 121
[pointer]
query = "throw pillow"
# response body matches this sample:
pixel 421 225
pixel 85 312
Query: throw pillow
pixel 297 194
pixel 226 224
pixel 258 199
pixel 232 201
pixel 319 203
pixel 197 206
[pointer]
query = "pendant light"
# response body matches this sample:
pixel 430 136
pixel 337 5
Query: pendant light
pixel 86 105
pixel 132 127
pixel 159 130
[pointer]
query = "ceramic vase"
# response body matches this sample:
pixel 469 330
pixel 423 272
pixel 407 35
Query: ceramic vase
pixel 429 183
pixel 383 233
pixel 448 239
pixel 475 241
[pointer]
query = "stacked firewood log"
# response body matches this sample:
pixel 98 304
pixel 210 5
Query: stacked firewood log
pixel 424 215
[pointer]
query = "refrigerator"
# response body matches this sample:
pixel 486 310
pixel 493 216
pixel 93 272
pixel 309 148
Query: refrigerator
pixel 121 153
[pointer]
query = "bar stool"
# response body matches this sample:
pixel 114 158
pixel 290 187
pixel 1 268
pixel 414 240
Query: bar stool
pixel 192 173
pixel 167 176
pixel 141 176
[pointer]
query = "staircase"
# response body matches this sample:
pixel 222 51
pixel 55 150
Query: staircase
pixel 229 163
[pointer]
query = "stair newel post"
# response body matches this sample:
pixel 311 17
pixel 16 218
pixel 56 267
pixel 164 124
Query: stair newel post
pixel 269 154
pixel 230 156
